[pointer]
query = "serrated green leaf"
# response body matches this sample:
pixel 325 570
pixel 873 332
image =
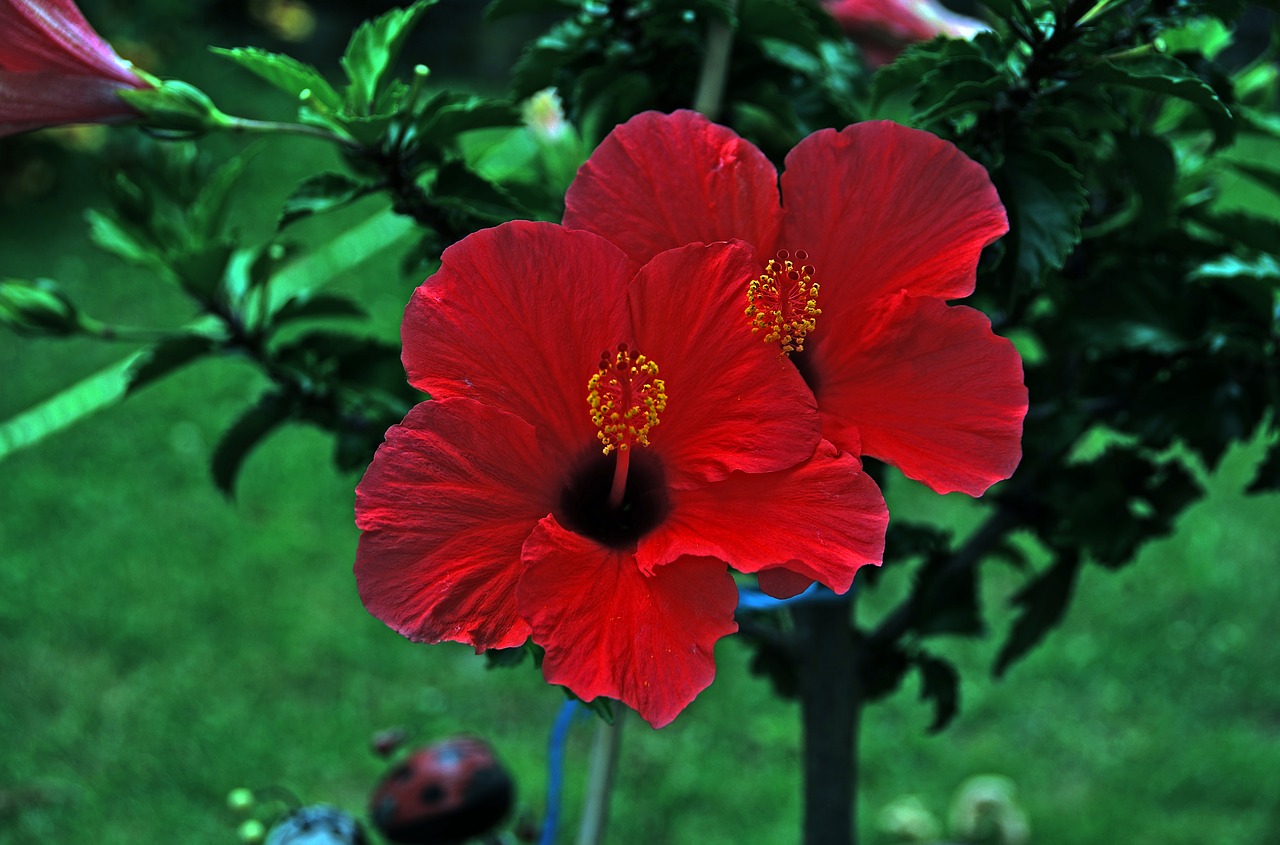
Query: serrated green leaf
pixel 1043 603
pixel 285 73
pixel 320 193
pixel 271 411
pixel 166 357
pixel 373 49
pixel 1170 77
pixel 904 74
pixel 1045 198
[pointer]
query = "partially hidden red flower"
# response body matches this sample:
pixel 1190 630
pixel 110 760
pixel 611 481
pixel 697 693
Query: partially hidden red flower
pixel 883 28
pixel 877 227
pixel 54 69
pixel 591 501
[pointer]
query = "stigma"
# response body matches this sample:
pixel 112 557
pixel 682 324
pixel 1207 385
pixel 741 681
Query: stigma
pixel 783 301
pixel 626 396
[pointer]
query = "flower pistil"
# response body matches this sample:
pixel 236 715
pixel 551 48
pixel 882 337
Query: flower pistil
pixel 626 397
pixel 784 301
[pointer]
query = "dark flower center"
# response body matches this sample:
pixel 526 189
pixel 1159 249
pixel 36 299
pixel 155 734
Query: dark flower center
pixel 584 502
pixel 804 364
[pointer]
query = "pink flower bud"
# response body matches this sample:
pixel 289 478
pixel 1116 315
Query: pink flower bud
pixel 883 28
pixel 55 69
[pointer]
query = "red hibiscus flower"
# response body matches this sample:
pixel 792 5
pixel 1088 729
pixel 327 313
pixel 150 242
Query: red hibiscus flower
pixel 591 501
pixel 883 28
pixel 877 227
pixel 55 69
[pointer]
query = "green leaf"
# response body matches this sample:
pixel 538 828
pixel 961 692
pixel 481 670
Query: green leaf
pixel 316 307
pixel 904 75
pixel 98 391
pixel 1170 77
pixel 1265 176
pixel 1043 603
pixel 457 187
pixel 272 410
pixel 449 114
pixel 1267 477
pixel 165 357
pixel 1207 36
pixel 373 49
pixel 939 683
pixel 1045 198
pixel 506 8
pixel 111 236
pixel 783 20
pixel 38 308
pixel 284 72
pixel 320 193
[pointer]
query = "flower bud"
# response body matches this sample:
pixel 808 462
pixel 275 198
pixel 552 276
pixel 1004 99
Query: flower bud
pixel 38 308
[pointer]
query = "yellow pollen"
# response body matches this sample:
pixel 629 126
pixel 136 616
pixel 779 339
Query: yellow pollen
pixel 626 398
pixel 783 301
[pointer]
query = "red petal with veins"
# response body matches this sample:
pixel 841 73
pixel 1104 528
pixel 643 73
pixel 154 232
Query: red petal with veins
pixel 610 631
pixel 725 385
pixel 662 181
pixel 35 100
pixel 445 507
pixel 823 519
pixel 518 316
pixel 929 389
pixel 882 208
pixel 52 35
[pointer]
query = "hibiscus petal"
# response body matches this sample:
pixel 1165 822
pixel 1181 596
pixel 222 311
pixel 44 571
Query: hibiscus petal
pixel 661 181
pixel 882 208
pixel 824 519
pixel 734 403
pixel 52 35
pixel 608 630
pixel 445 507
pixel 518 316
pixel 929 389
pixel 34 100
pixel 782 583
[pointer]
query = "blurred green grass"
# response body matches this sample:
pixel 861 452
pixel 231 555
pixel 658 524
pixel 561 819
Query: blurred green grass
pixel 162 645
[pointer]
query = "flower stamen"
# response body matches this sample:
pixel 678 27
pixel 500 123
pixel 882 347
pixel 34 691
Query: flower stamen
pixel 783 301
pixel 626 397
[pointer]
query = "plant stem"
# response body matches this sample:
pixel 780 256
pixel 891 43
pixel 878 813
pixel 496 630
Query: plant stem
pixel 830 705
pixel 709 97
pixel 604 764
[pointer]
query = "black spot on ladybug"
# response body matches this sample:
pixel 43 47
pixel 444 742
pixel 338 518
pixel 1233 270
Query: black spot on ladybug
pixel 432 794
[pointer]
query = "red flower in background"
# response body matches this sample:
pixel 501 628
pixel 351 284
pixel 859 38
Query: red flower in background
pixel 55 69
pixel 883 28
pixel 883 225
pixel 592 501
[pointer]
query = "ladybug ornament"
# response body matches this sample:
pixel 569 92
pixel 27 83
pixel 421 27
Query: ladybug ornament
pixel 443 794
pixel 318 824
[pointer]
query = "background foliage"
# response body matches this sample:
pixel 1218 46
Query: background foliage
pixel 1136 151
